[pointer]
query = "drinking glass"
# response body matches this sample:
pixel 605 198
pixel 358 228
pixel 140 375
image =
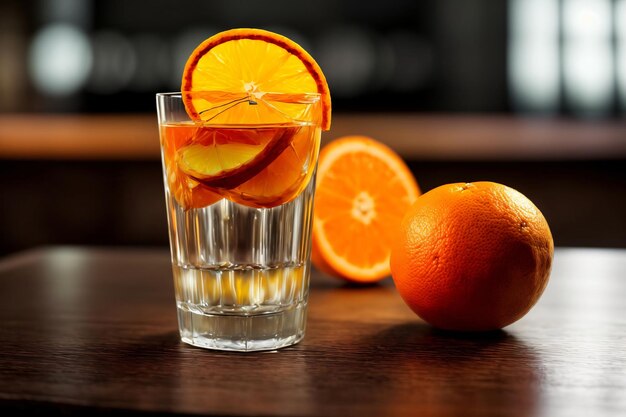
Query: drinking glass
pixel 239 198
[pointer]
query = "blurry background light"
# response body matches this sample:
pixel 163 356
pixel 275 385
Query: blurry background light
pixel 348 56
pixel 75 12
pixel 60 59
pixel 619 23
pixel 588 56
pixel 588 76
pixel 553 57
pixel 114 62
pixel 153 63
pixel 587 20
pixel 533 64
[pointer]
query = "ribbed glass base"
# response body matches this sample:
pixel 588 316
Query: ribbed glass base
pixel 243 333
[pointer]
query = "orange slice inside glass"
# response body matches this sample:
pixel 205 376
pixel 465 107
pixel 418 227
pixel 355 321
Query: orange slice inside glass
pixel 254 95
pixel 188 192
pixel 285 177
pixel 226 158
pixel 363 190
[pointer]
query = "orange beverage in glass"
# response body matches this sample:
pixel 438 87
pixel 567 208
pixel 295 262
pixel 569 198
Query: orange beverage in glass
pixel 239 202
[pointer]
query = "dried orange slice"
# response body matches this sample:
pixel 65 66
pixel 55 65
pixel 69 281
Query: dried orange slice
pixel 363 190
pixel 253 76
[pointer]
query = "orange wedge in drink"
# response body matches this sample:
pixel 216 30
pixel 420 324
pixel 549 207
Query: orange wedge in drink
pixel 226 158
pixel 285 177
pixel 188 192
pixel 363 190
pixel 259 101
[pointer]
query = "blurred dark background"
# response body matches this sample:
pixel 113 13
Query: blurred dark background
pixel 492 67
pixel 538 56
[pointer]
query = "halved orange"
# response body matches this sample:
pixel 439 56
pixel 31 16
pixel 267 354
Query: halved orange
pixel 363 190
pixel 252 76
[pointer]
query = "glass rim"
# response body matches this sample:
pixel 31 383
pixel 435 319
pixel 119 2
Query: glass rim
pixel 305 98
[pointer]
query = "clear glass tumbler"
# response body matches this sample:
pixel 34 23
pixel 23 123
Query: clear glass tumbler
pixel 239 199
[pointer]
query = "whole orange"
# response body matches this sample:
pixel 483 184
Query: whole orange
pixel 472 256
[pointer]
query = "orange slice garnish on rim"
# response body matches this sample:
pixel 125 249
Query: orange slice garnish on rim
pixel 363 190
pixel 259 101
pixel 253 76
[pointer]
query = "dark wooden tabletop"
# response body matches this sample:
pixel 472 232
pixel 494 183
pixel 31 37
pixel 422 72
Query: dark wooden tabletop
pixel 94 331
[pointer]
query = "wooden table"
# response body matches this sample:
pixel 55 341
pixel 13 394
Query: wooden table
pixel 94 331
